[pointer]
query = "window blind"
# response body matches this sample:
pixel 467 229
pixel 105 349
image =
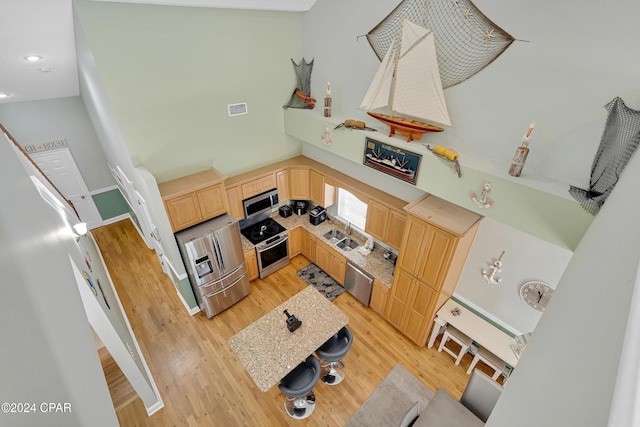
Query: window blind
pixel 352 209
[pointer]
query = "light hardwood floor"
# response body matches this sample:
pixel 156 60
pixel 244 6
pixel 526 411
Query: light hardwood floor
pixel 201 381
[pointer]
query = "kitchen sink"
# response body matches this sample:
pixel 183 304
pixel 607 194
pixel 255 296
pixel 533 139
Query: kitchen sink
pixel 334 235
pixel 347 244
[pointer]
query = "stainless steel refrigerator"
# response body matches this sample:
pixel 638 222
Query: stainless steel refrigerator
pixel 213 256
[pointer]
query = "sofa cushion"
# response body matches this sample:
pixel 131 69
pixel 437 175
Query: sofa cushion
pixel 445 411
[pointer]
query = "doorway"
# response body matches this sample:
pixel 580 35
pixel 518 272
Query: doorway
pixel 61 169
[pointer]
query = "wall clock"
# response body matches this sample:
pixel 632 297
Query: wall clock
pixel 536 294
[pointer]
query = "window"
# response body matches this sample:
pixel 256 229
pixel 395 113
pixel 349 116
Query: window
pixel 351 209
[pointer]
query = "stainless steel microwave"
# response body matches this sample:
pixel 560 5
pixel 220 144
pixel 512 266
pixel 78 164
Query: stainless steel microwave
pixel 263 202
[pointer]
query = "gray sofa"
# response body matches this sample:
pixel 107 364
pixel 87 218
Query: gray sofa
pixel 442 411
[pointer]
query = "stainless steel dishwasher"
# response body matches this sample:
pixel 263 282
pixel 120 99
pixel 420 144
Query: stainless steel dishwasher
pixel 358 283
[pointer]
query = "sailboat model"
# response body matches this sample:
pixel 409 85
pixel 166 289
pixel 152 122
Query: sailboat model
pixel 408 83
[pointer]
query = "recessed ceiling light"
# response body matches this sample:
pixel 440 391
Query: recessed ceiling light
pixel 45 69
pixel 33 58
pixel 4 95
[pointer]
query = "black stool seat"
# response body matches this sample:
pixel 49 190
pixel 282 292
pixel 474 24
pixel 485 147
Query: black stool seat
pixel 336 347
pixel 300 381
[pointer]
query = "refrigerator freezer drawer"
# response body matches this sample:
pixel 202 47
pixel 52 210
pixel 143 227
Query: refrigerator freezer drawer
pixel 223 282
pixel 220 300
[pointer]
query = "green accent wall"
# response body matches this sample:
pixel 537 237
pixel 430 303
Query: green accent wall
pixel 170 73
pixel 110 204
pixel 184 287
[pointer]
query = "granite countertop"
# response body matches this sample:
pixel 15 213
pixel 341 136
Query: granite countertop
pixel 269 351
pixel 374 263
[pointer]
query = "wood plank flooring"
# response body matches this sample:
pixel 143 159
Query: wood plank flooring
pixel 201 381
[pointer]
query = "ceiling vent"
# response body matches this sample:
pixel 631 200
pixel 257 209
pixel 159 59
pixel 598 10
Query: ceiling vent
pixel 237 109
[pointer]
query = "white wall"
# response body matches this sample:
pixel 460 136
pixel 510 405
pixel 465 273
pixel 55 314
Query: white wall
pixel 570 367
pixel 48 353
pixel 60 118
pixel 526 258
pixel 561 78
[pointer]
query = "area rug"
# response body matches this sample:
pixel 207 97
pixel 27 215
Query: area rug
pixel 391 400
pixel 314 276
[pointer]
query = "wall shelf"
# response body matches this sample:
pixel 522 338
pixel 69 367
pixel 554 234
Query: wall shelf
pixel 537 205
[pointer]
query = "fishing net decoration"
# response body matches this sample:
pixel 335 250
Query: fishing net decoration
pixel 303 84
pixel 619 141
pixel 466 40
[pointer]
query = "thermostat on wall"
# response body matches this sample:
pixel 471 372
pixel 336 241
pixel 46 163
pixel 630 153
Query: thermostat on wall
pixel 237 109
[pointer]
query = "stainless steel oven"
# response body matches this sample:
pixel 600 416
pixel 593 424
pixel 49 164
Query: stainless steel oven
pixel 273 253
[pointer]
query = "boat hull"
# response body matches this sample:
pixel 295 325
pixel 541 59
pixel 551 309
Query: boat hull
pixel 412 129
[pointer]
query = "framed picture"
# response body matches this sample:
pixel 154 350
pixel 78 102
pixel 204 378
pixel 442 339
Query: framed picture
pixel 392 160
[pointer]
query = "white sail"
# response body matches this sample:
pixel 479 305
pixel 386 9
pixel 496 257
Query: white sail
pixel 417 89
pixel 378 94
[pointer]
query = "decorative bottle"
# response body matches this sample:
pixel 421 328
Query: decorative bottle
pixel 521 154
pixel 327 101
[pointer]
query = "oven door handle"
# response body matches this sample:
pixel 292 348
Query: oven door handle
pixel 276 243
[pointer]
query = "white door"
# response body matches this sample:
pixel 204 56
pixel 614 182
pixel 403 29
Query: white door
pixel 61 169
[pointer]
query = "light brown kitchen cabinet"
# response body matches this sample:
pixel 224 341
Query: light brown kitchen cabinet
pixel 320 192
pixel 385 224
pixel 295 241
pixel 316 187
pixel 258 185
pixel 332 262
pixel 308 245
pixel 282 182
pixel 252 264
pixel 194 198
pixel 378 300
pixel 435 245
pixel 299 181
pixel 234 196
pixel 395 228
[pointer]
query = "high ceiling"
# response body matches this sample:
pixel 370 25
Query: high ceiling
pixel 45 28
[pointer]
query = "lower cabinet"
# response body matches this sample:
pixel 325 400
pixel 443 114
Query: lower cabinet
pixel 252 264
pixel 331 262
pixel 308 245
pixel 410 306
pixel 379 293
pixel 295 241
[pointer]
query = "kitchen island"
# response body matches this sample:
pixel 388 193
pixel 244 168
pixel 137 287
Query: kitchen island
pixel 269 351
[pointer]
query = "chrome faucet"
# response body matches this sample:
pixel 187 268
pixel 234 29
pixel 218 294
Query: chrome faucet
pixel 347 228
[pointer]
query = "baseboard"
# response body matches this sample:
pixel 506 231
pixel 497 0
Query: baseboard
pixel 116 219
pixel 154 408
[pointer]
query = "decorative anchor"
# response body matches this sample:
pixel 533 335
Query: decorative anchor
pixel 326 137
pixel 483 201
pixel 495 268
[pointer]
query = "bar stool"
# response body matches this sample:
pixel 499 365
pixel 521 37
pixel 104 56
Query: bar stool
pixel 297 387
pixel 331 353
pixel 455 335
pixel 494 362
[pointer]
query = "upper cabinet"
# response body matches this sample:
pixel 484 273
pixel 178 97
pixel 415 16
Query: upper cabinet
pixel 385 223
pixel 194 198
pixel 283 184
pixel 320 192
pixel 258 185
pixel 234 196
pixel 299 183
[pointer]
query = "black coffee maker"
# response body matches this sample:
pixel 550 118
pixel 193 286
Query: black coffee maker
pixel 300 207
